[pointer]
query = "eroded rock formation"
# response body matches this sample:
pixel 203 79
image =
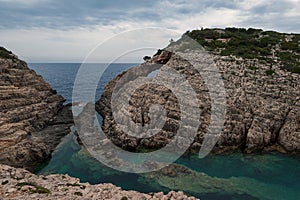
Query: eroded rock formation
pixel 263 111
pixel 30 126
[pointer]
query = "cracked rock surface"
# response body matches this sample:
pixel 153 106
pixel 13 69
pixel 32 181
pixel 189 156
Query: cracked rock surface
pixel 32 116
pixel 262 110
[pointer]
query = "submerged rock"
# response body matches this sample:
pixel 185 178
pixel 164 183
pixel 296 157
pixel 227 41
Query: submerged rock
pixel 176 177
pixel 32 117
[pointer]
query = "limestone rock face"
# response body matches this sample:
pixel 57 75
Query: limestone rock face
pixel 28 105
pixel 21 184
pixel 262 109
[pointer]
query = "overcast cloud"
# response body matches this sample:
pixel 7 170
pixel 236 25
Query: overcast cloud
pixel 66 30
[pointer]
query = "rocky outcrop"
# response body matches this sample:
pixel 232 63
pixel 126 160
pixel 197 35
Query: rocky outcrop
pixel 262 107
pixel 23 185
pixel 32 120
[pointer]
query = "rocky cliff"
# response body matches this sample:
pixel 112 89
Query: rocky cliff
pixel 263 101
pixel 32 117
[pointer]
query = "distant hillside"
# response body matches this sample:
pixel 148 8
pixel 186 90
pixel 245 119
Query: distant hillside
pixel 267 46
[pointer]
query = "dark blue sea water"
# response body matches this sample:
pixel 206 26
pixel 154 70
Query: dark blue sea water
pixel 235 176
pixel 61 76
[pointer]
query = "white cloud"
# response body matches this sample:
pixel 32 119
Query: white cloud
pixel 220 18
pixel 249 4
pixel 295 11
pixel 39 45
pixel 71 39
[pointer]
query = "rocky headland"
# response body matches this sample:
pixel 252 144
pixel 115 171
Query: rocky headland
pixel 32 118
pixel 262 92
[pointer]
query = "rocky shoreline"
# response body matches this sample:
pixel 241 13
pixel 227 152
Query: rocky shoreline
pixel 32 119
pixel 20 184
pixel 263 110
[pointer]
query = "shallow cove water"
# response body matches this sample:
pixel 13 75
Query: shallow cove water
pixel 230 176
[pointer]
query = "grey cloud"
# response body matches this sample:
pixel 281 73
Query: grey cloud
pixel 66 14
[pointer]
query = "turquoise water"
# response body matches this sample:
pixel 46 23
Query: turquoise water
pixel 227 177
pixel 267 176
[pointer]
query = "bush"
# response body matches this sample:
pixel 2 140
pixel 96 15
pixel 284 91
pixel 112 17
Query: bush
pixel 25 183
pixel 78 194
pixel 146 58
pixel 293 46
pixel 270 72
pixel 5 54
pixel 295 70
pixel 4 182
pixel 289 61
pixel 253 30
pixel 250 44
pixel 253 68
pixel 38 189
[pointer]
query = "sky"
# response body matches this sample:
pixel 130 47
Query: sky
pixel 68 30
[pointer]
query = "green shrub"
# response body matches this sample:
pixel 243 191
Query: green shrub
pixel 293 46
pixel 4 182
pixel 25 183
pixel 270 72
pixel 251 44
pixel 5 53
pixel 253 68
pixel 289 61
pixel 78 194
pixel 38 189
pixel 295 70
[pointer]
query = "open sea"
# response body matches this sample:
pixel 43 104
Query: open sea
pixel 271 176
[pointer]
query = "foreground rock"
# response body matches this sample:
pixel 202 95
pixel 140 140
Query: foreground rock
pixel 23 185
pixel 32 118
pixel 263 109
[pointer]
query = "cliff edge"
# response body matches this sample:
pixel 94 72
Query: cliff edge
pixel 32 117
